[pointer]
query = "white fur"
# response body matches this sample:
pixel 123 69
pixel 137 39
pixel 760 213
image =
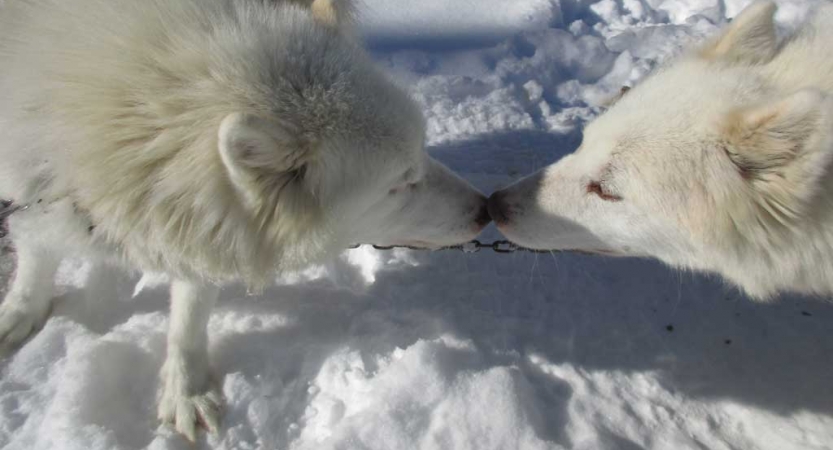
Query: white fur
pixel 719 162
pixel 214 140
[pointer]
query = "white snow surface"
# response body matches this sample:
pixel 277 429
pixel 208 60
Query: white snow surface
pixel 446 350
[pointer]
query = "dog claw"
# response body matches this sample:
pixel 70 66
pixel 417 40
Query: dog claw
pixel 187 413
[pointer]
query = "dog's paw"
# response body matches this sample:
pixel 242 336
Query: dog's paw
pixel 188 399
pixel 186 412
pixel 17 323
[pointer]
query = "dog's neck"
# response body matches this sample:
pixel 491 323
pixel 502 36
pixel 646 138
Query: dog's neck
pixel 800 260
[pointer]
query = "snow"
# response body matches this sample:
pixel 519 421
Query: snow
pixel 453 350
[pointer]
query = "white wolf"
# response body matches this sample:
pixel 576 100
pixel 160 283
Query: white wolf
pixel 719 162
pixel 214 140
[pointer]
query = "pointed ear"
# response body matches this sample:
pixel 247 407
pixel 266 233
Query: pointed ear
pixel 334 13
pixel 255 150
pixel 749 39
pixel 783 150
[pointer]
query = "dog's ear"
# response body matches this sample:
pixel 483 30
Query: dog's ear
pixel 255 151
pixel 749 39
pixel 783 150
pixel 334 13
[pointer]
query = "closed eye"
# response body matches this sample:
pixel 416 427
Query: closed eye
pixel 597 188
pixel 409 180
pixel 403 188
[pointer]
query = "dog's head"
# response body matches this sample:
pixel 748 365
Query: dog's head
pixel 699 161
pixel 347 173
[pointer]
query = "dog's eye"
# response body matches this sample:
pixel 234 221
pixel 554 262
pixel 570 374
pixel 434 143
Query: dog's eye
pixel 598 188
pixel 403 187
pixel 409 180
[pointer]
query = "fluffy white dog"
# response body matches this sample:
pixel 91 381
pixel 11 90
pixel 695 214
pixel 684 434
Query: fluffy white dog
pixel 213 140
pixel 719 162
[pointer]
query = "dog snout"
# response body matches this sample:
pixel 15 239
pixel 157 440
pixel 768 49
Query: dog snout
pixel 483 217
pixel 496 207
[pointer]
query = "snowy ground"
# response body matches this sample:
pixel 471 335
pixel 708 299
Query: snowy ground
pixel 404 350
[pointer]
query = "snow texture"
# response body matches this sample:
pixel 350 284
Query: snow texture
pixel 446 350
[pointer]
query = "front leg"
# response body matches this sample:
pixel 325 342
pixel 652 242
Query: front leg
pixel 188 395
pixel 29 300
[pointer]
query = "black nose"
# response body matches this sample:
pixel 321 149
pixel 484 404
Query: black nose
pixel 483 218
pixel 497 208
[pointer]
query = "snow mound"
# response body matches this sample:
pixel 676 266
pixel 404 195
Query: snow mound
pixel 419 350
pixel 433 394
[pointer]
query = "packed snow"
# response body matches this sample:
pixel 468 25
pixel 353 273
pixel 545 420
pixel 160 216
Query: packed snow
pixel 449 350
